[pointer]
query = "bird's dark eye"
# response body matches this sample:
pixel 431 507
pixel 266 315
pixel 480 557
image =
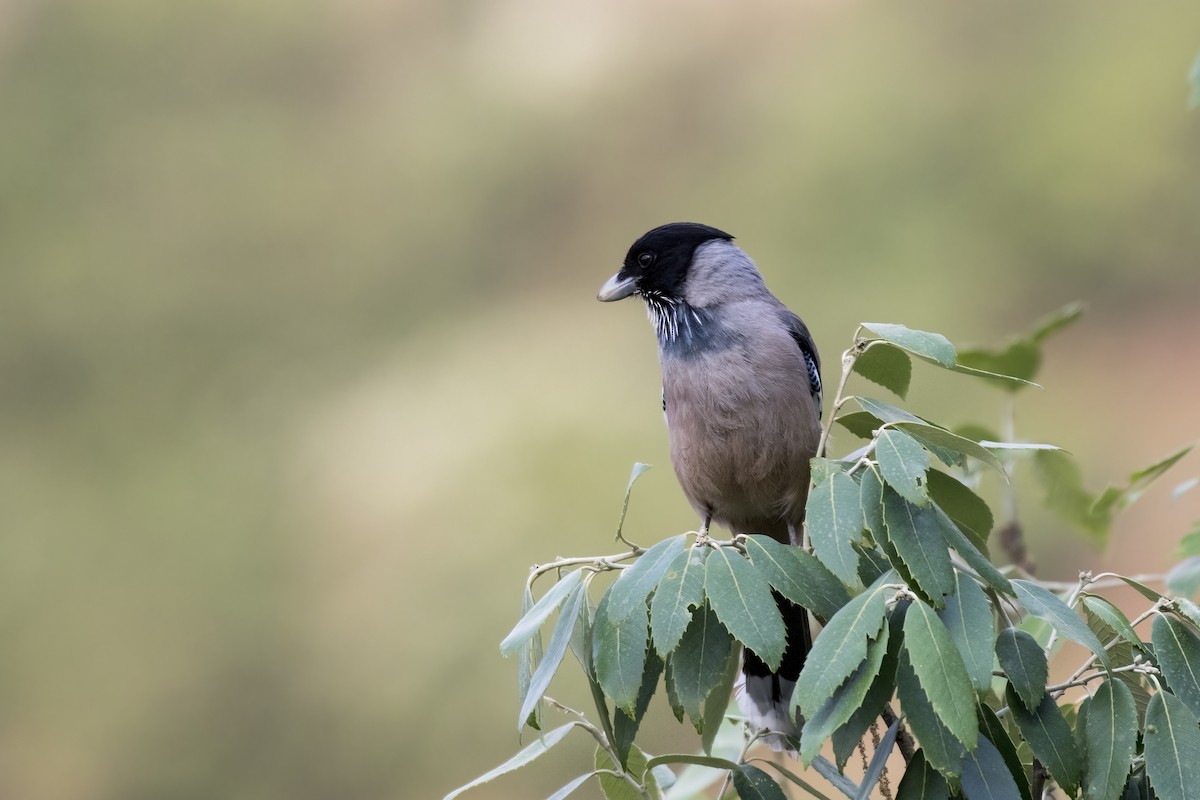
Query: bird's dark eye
pixel 646 259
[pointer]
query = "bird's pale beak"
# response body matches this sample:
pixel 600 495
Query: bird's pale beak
pixel 617 288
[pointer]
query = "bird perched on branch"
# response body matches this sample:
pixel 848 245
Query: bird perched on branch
pixel 742 399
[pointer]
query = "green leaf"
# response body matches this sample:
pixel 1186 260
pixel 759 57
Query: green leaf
pixel 1024 662
pixel 890 367
pixel 1189 545
pixel 829 772
pixel 1020 359
pixel 752 783
pixel 692 758
pixel 932 347
pixel 555 650
pixel 570 788
pixel 985 776
pixel 968 617
pixel 1050 737
pixel 887 413
pixel 921 781
pixel 915 535
pixel 619 651
pixel 1055 321
pixel 1187 610
pixel 841 646
pixel 942 749
pixel 1140 480
pixel 860 423
pixel 531 622
pixel 1045 605
pixel 941 672
pixel 1178 652
pixel 1110 729
pixel 697 662
pixel 846 738
pixel 1062 482
pixel 958 541
pixel 846 699
pixel 1112 617
pixel 529 654
pixel 968 510
pixel 615 788
pixel 934 437
pixel 528 754
pixel 871 499
pixel 1172 748
pixel 741 598
pixel 796 779
pixel 797 575
pixel 637 471
pixel 718 699
pixel 902 463
pixel 1194 77
pixel 994 730
pixel 1184 577
pixel 635 583
pixel 680 590
pixel 625 726
pixel 834 520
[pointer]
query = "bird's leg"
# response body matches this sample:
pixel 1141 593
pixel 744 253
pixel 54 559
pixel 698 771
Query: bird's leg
pixel 794 536
pixel 707 523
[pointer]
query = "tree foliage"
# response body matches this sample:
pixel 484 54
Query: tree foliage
pixel 927 644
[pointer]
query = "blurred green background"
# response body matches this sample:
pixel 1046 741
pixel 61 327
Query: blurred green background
pixel 300 366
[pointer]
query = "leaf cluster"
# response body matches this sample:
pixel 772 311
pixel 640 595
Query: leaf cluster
pixel 923 636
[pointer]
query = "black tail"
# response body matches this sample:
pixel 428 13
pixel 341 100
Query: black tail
pixel 766 695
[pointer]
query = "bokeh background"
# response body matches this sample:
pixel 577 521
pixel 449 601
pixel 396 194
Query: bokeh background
pixel 300 366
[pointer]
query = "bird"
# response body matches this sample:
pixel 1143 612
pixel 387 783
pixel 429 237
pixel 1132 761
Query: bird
pixel 741 393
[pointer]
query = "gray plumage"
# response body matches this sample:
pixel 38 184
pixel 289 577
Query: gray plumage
pixel 742 397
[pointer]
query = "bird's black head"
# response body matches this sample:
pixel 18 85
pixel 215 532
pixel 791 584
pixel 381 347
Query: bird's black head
pixel 657 264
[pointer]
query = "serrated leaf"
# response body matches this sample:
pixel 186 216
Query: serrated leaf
pixel 752 783
pixel 1046 605
pixel 619 652
pixel 625 726
pixel 1177 649
pixel 1188 610
pixel 846 738
pixel 679 591
pixel 956 540
pixel 931 347
pixel 834 522
pixel 797 575
pixel 1024 662
pixel 717 703
pixel 837 780
pixel 1184 577
pixel 796 779
pixel 921 781
pixel 993 729
pixel 878 762
pixel 846 699
pixel 915 535
pixel 1050 737
pixel 1172 748
pixel 636 582
pixel 555 650
pixel 902 464
pixel 968 617
pixel 531 622
pixel 697 662
pixel 890 367
pixel 1110 729
pixel 886 412
pixel 528 754
pixel 616 788
pixel 871 500
pixel 985 776
pixel 943 750
pixel 741 598
pixel 963 506
pixel 941 672
pixel 841 646
pixel 1113 618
